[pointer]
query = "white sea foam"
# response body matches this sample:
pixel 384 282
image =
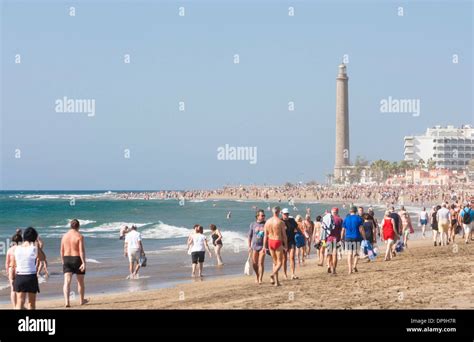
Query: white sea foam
pixel 64 196
pixel 236 240
pixel 196 201
pixel 165 231
pixel 81 222
pixel 113 227
pixel 4 286
pixel 231 239
pixel 142 277
pixel 84 222
pixel 52 235
pixel 93 261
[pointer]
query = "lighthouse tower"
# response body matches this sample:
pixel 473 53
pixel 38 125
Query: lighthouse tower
pixel 342 160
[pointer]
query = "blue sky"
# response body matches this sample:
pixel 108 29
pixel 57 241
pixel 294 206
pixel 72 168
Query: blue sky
pixel 190 59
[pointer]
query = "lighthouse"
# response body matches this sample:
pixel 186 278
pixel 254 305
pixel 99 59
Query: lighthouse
pixel 342 160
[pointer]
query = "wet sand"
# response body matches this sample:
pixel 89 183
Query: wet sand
pixel 422 277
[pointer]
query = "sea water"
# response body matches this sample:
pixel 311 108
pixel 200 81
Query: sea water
pixel 164 224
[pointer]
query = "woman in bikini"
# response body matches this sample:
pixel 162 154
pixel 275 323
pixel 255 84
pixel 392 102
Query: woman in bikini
pixel 217 242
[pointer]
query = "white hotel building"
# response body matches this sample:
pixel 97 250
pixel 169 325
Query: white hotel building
pixel 450 147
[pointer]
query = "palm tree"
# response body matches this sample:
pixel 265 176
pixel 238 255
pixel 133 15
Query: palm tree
pixel 431 164
pixel 421 163
pixel 395 168
pixel 381 169
pixel 406 165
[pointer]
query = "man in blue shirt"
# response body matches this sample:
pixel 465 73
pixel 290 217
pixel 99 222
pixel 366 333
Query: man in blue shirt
pixel 353 233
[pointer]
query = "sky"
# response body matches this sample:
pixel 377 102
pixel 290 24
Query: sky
pixel 139 139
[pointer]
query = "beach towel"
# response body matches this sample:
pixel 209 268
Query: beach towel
pixel 248 268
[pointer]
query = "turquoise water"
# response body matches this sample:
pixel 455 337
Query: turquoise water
pixel 164 225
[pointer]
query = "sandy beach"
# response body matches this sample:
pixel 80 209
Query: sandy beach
pixel 422 277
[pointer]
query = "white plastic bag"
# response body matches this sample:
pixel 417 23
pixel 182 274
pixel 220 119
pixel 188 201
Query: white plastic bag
pixel 248 268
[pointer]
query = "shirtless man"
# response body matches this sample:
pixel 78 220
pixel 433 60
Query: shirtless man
pixel 275 239
pixel 73 257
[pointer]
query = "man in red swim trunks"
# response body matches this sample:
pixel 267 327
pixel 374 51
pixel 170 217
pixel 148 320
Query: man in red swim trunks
pixel 276 240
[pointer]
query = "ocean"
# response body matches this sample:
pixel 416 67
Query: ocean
pixel 164 225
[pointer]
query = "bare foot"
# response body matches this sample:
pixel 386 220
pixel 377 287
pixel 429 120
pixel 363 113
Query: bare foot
pixel 85 301
pixel 67 306
pixel 273 279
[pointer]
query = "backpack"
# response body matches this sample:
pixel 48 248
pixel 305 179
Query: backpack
pixel 466 218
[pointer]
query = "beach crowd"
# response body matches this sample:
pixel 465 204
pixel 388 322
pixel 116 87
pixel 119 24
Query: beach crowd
pixel 375 194
pixel 286 239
